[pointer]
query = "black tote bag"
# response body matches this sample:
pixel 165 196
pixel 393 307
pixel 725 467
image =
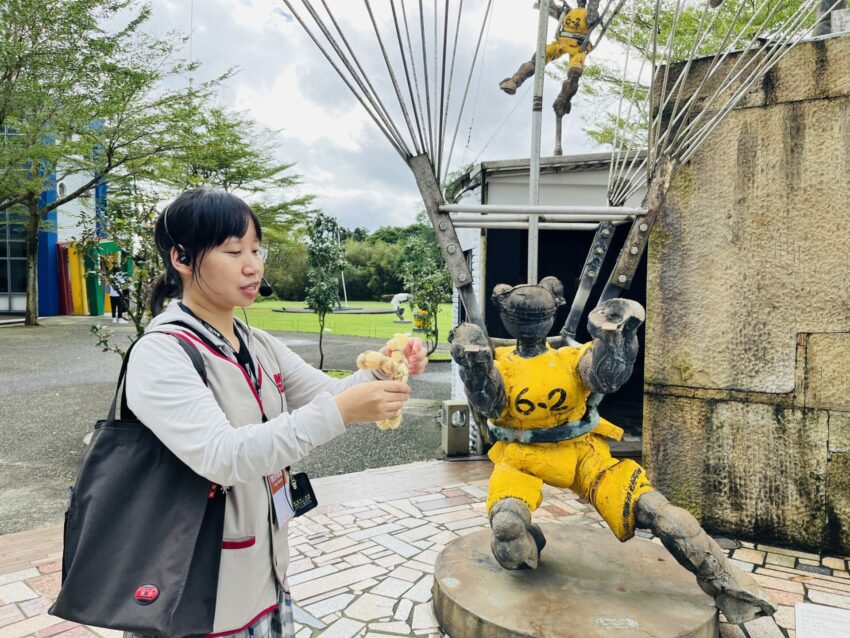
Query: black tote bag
pixel 143 533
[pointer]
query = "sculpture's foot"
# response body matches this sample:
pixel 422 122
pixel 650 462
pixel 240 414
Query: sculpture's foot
pixel 735 593
pixel 562 107
pixel 516 541
pixel 508 86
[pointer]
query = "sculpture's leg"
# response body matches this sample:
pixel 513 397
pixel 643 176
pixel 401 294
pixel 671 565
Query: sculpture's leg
pixel 563 103
pixel 735 593
pixel 558 128
pixel 516 541
pixel 511 84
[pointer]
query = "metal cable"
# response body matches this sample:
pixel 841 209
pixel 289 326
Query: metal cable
pixel 772 56
pixel 615 144
pixel 449 91
pixel 726 47
pixel 401 103
pixel 743 60
pixel 417 92
pixel 410 84
pixel 388 131
pixel 427 84
pixel 683 75
pixel 668 59
pixel 484 24
pixel 374 94
pixel 379 107
pixel 437 105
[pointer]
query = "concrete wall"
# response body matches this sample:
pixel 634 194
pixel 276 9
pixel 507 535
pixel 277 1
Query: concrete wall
pixel 747 412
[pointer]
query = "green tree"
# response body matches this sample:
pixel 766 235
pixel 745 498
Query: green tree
pixel 427 280
pixel 327 259
pixel 228 150
pixel 400 234
pixel 286 268
pixel 75 99
pixel 373 268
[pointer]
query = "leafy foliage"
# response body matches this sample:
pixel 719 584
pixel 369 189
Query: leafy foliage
pixel 372 268
pixel 633 26
pixel 76 99
pixel 226 150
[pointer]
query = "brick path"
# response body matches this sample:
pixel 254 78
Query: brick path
pixel 365 567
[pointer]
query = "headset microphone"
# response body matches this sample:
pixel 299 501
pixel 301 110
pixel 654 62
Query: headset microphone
pixel 265 288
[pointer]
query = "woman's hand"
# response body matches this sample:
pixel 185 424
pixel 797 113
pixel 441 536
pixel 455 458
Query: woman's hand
pixel 415 353
pixel 372 401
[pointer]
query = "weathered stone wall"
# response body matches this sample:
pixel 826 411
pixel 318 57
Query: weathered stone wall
pixel 748 335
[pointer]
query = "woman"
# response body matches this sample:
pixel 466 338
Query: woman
pixel 264 408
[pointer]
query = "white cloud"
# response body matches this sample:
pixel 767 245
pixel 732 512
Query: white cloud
pixel 288 86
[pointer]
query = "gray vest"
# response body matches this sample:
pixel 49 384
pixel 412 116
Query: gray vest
pixel 254 551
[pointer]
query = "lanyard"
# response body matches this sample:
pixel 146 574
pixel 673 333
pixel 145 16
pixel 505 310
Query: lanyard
pixel 243 357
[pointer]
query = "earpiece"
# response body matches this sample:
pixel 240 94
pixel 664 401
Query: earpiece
pixel 182 256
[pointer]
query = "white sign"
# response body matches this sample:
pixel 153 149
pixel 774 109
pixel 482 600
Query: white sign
pixel 819 621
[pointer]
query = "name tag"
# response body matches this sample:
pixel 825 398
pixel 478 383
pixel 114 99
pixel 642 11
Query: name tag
pixel 281 499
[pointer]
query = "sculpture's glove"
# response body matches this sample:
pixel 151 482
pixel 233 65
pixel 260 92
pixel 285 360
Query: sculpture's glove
pixel 485 388
pixel 613 325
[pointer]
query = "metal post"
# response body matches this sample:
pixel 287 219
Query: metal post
pixel 342 272
pixel 536 131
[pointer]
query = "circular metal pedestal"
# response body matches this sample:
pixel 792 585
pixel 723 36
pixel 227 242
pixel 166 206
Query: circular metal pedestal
pixel 588 584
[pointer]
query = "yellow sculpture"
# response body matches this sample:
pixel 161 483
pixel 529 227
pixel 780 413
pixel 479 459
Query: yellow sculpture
pixel 541 401
pixel 572 39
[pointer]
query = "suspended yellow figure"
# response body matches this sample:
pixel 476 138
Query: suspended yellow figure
pixel 541 401
pixel 572 39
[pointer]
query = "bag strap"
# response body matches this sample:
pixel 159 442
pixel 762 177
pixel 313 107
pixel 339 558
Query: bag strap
pixel 188 348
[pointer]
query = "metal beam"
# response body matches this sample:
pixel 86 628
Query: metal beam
pixel 524 225
pixel 461 217
pixel 601 211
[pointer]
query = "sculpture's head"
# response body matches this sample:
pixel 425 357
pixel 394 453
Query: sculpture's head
pixel 581 3
pixel 528 310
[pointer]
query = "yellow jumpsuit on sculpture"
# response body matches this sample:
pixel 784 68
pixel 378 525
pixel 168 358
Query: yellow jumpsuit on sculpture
pixel 572 33
pixel 545 391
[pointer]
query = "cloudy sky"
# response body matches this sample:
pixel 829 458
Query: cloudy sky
pixel 287 85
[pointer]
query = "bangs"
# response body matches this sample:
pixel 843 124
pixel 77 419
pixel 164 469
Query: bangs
pixel 225 216
pixel 221 216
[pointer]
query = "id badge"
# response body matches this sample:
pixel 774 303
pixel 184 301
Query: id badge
pixel 280 497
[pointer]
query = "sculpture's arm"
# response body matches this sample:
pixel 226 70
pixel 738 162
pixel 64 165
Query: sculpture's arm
pixel 592 13
pixel 485 388
pixel 608 364
pixel 555 8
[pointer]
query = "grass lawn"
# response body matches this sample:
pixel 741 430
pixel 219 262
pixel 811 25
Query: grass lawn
pixel 262 315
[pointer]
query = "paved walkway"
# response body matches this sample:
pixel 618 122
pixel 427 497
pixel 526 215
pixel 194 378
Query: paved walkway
pixel 362 562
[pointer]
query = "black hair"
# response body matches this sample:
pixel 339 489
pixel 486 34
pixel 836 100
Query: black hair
pixel 195 222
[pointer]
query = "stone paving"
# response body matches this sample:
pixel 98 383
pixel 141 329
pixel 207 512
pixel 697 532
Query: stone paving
pixel 365 568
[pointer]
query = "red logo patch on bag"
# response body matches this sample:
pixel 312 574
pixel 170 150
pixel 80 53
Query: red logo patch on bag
pixel 146 594
pixel 278 381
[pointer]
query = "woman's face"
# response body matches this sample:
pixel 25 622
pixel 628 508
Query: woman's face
pixel 229 274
